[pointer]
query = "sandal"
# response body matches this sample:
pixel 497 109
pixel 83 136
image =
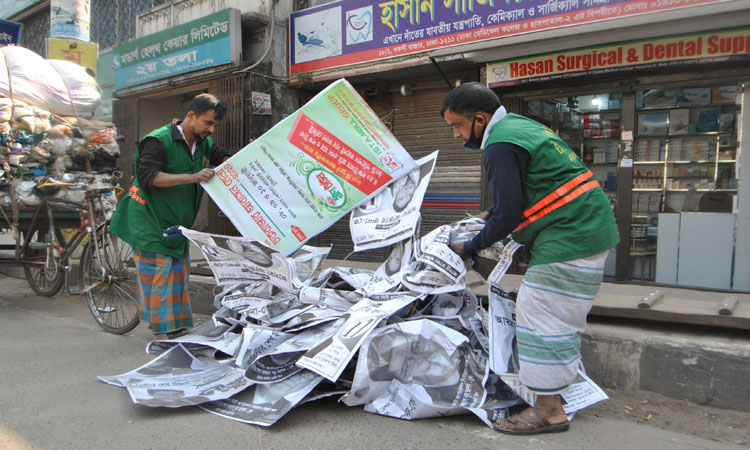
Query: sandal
pixel 177 333
pixel 529 421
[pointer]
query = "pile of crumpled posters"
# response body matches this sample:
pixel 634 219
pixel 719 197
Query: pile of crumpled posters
pixel 411 343
pixel 48 128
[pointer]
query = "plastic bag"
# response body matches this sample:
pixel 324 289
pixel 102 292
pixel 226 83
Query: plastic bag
pixel 26 193
pixel 53 86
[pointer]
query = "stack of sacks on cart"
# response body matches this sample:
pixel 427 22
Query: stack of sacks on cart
pixel 48 128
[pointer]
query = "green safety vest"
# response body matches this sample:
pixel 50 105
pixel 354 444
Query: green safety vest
pixel 143 214
pixel 583 227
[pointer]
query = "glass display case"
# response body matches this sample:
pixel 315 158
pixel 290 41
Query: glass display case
pixel 685 148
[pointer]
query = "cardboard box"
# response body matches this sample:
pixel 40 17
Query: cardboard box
pixel 694 95
pixel 654 124
pixel 726 123
pixel 656 98
pixel 724 94
pixel 708 121
pixel 679 121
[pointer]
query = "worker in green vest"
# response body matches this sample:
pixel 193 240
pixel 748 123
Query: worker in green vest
pixel 546 199
pixel 170 164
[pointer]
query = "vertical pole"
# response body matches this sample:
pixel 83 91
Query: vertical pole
pixel 625 190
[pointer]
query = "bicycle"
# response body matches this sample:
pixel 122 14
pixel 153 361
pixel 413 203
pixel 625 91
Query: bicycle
pixel 106 267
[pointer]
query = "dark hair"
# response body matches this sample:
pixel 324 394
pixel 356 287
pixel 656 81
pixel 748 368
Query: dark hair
pixel 469 98
pixel 203 103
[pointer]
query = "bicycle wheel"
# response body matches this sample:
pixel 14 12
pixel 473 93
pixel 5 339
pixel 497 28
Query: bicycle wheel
pixel 108 280
pixel 48 276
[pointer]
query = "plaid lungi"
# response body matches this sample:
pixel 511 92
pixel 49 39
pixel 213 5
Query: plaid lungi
pixel 552 305
pixel 163 297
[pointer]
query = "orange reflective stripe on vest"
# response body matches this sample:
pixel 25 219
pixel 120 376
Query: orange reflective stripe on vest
pixel 557 198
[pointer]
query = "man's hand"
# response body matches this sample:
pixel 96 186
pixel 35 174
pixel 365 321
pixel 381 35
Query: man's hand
pixel 163 179
pixel 203 176
pixel 484 215
pixel 458 248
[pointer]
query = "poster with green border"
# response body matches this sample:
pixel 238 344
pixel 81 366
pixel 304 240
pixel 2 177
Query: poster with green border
pixel 309 170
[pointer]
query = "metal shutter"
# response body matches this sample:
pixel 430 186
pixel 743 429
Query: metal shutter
pixel 230 135
pixel 455 187
pixel 125 117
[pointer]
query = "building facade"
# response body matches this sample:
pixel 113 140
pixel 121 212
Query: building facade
pixel 650 94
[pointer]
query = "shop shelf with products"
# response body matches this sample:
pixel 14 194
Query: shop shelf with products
pixel 692 134
pixel 685 146
pixel 561 115
pixel 601 138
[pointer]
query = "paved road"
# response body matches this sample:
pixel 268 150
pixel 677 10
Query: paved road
pixel 50 398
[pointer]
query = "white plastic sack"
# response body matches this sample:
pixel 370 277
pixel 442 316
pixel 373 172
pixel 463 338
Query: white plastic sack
pixel 37 82
pixel 84 92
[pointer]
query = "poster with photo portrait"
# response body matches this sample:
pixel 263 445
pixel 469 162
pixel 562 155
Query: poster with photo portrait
pixel 392 215
pixel 241 260
pixel 399 257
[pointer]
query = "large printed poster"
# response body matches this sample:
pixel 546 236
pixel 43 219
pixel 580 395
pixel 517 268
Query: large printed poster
pixel 70 19
pixel 309 170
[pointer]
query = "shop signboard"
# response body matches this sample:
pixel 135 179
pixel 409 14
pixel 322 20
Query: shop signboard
pixel 10 32
pixel 70 19
pixel 710 47
pixel 82 53
pixel 355 31
pixel 309 170
pixel 210 41
pixel 261 103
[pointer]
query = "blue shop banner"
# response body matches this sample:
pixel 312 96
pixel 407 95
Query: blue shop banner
pixel 210 41
pixel 10 33
pixel 356 31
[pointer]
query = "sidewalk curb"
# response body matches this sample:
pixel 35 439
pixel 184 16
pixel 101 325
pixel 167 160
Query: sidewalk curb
pixel 709 370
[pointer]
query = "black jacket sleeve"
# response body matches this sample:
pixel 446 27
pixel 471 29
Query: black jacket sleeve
pixel 153 160
pixel 506 166
pixel 218 154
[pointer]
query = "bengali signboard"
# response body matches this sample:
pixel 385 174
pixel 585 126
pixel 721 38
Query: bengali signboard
pixel 703 48
pixel 82 53
pixel 355 31
pixel 210 41
pixel 309 170
pixel 10 32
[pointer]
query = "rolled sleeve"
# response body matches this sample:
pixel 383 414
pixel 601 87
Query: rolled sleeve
pixel 153 160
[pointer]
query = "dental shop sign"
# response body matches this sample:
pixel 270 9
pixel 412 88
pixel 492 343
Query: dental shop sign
pixel 309 170
pixel 210 41
pixel 711 47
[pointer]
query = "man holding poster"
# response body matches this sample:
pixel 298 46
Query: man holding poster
pixel 309 170
pixel 169 165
